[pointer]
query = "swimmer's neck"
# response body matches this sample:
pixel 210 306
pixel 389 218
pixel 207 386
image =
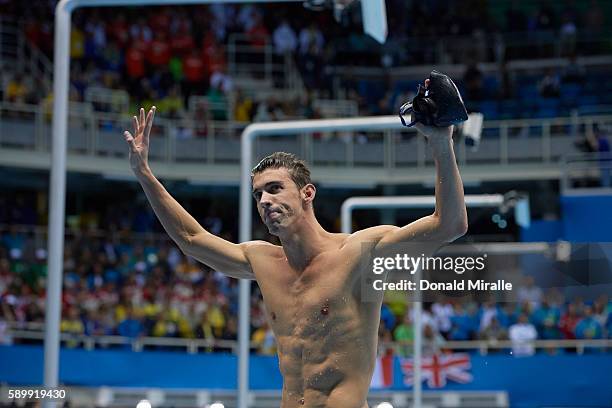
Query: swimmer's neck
pixel 304 241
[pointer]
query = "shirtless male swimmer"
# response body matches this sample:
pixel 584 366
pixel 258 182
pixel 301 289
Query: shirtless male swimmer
pixel 326 335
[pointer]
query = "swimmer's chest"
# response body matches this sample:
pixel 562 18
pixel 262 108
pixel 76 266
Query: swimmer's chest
pixel 330 278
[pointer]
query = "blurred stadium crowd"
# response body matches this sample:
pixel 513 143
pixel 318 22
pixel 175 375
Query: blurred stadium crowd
pixel 134 284
pixel 163 55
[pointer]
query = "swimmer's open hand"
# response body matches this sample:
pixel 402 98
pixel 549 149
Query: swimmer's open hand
pixel 139 142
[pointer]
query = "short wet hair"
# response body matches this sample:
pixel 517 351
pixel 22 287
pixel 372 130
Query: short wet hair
pixel 297 168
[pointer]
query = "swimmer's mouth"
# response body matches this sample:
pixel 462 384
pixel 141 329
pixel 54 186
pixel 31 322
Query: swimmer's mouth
pixel 272 215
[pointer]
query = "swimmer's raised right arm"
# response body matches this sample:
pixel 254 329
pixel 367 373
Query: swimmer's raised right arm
pixel 184 230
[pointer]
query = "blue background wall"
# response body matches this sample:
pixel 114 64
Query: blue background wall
pixel 561 380
pixel 587 218
pixel 542 231
pixel 584 219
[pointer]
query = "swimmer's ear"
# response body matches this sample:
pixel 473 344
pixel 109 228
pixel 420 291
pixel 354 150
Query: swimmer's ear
pixel 309 191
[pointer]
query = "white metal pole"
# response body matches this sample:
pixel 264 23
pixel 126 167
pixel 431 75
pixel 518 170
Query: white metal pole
pixel 57 196
pixel 244 316
pixel 379 202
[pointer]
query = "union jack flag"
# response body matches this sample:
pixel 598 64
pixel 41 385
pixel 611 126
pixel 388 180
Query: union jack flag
pixel 437 368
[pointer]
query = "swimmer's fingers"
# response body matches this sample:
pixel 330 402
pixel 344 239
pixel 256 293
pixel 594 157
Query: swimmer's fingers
pixel 142 125
pixel 148 125
pixel 130 140
pixel 424 130
pixel 141 121
pixel 135 126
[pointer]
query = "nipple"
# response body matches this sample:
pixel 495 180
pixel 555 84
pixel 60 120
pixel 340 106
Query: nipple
pixel 325 310
pixel 273 316
pixel 301 401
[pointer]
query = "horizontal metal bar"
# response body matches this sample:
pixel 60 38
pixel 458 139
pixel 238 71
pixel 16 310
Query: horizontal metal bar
pixel 201 343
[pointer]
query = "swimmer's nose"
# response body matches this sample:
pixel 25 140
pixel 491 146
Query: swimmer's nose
pixel 265 200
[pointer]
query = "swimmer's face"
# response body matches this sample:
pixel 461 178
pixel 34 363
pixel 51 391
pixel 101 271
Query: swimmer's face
pixel 279 200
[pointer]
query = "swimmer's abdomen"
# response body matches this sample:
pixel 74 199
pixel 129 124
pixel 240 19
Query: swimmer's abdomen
pixel 331 355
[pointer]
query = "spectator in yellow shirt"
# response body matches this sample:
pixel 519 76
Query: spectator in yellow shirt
pixel 16 90
pixel 264 339
pixel 73 326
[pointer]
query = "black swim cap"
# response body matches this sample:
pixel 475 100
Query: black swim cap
pixel 439 105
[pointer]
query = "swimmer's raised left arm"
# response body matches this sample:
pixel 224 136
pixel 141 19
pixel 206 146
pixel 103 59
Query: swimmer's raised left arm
pixel 449 220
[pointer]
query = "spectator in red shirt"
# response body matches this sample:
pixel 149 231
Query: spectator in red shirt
pixel 569 320
pixel 258 33
pixel 134 69
pixel 159 51
pixel 212 53
pixel 194 72
pixel 160 20
pixel 134 63
pixel 119 31
pixel 32 32
pixel 182 42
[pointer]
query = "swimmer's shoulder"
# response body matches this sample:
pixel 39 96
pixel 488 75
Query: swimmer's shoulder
pixel 261 248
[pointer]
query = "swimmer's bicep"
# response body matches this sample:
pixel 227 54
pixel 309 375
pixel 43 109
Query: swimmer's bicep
pixel 221 255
